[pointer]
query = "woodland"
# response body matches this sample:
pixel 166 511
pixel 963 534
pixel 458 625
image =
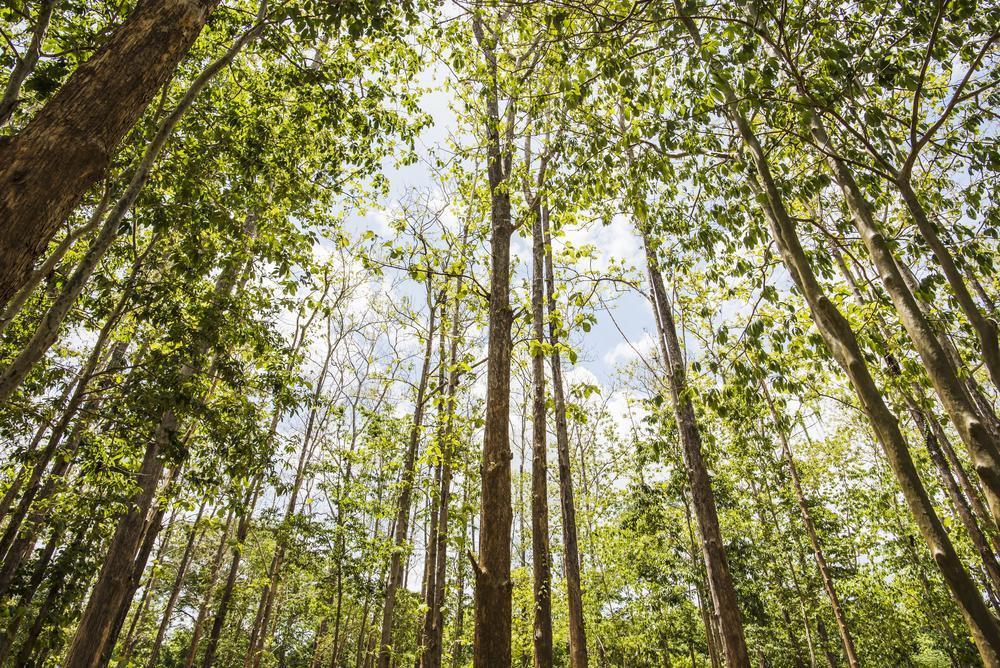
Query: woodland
pixel 499 333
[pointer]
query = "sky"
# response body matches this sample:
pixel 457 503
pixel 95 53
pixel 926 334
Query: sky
pixel 604 348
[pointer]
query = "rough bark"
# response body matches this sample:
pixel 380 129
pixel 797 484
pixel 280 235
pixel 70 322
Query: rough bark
pixel 540 553
pixel 45 269
pixel 65 149
pixel 48 329
pixel 492 647
pixel 720 581
pixel 405 500
pixel 578 655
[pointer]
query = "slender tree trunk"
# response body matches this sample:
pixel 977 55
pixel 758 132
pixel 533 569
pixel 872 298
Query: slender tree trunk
pixel 242 529
pixel 133 577
pixel 25 64
pixel 540 553
pixel 846 639
pixel 435 620
pixel 206 595
pixel 703 499
pixel 193 537
pixel 951 391
pixel 47 167
pixel 578 655
pixel 843 345
pixel 401 529
pixel 458 645
pixel 95 628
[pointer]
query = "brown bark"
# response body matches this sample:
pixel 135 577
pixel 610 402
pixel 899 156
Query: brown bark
pixel 702 497
pixel 843 345
pixel 540 552
pixel 401 529
pixel 578 655
pixel 65 149
pixel 194 535
pixel 207 593
pixel 492 647
pixel 846 639
pixel 45 269
pixel 242 529
pixel 48 329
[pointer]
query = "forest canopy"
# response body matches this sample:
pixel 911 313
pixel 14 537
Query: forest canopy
pixel 494 333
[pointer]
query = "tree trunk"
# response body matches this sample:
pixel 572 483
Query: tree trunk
pixel 206 595
pixel 800 498
pixel 208 660
pixel 25 65
pixel 193 537
pixel 401 529
pixel 434 633
pixel 48 329
pixel 703 499
pixel 540 554
pixel 952 393
pixel 47 167
pixel 843 345
pixel 43 270
pixel 492 648
pixel 578 655
pixel 985 328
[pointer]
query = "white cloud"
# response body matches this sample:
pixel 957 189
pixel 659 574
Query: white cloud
pixel 627 351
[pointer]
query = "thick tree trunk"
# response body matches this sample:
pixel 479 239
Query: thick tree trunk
pixel 843 345
pixel 951 391
pixel 401 529
pixel 48 329
pixel 985 328
pixel 47 167
pixel 800 498
pixel 492 647
pixel 540 552
pixel 578 655
pixel 43 270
